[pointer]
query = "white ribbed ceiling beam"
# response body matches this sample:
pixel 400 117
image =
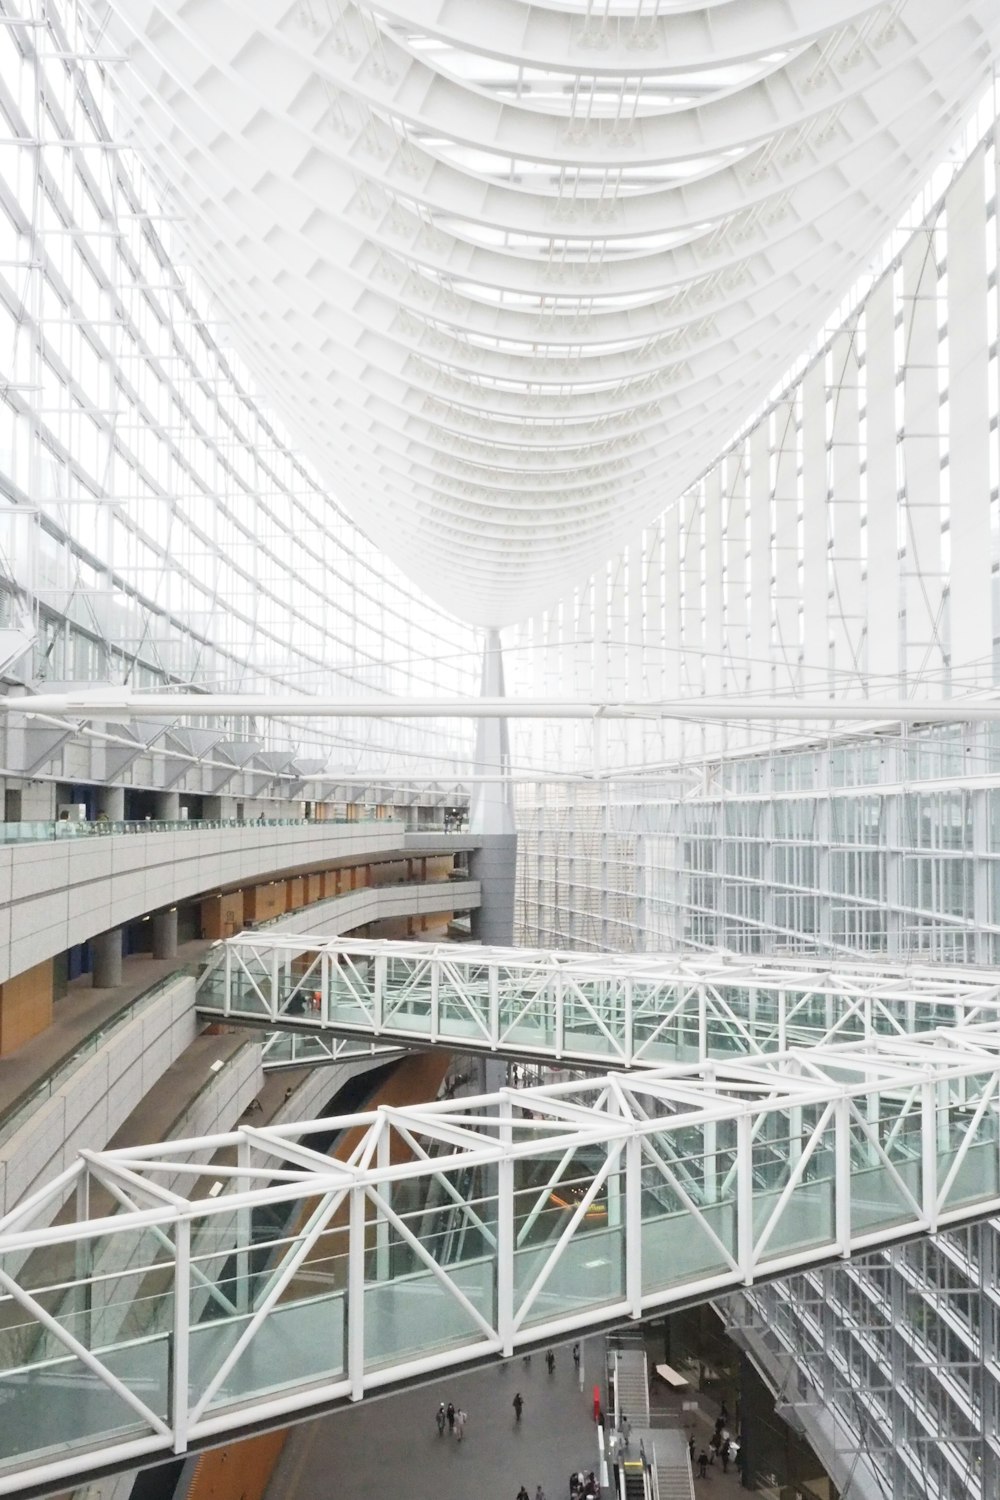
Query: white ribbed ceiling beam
pixel 515 272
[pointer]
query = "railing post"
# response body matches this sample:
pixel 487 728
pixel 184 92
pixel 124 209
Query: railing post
pixel 356 1294
pixel 227 1002
pixel 179 1398
pixel 378 1000
pixel 560 1009
pixel 929 1154
pixel 505 1235
pixel 383 1161
pixel 493 980
pixel 244 1227
pixel 628 1043
pixel 435 1000
pixel 633 1224
pixel 842 1175
pixel 744 1197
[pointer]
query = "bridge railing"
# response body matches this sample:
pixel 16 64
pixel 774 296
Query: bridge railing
pixel 591 1010
pixel 203 1286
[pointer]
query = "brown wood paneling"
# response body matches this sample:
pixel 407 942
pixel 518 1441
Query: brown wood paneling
pixel 25 1007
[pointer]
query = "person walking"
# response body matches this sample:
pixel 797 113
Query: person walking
pixel 724 1455
pixel 522 1494
pixel 691 1450
pixel 518 1405
pixel 550 1362
pixel 576 1358
pixel 461 1417
pixel 626 1429
pixel 539 1493
pixel 702 1465
pixel 451 1416
pixel 441 1420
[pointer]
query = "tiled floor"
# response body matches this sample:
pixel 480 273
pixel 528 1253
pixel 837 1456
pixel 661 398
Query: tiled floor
pixel 389 1449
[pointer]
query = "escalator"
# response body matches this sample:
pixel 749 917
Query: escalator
pixel 633 1480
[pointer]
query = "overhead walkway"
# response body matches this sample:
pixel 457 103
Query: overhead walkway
pixel 249 1277
pixel 576 1009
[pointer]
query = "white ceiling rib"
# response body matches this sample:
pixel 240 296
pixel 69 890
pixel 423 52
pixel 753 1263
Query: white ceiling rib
pixel 514 272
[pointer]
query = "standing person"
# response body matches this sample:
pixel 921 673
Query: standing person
pixel 576 1358
pixel 724 1455
pixel 539 1493
pixel 691 1450
pixel 522 1494
pixel 626 1429
pixel 441 1420
pixel 550 1362
pixel 702 1465
pixel 518 1405
pixel 461 1417
pixel 451 1416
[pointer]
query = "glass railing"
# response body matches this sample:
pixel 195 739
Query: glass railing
pixel 65 828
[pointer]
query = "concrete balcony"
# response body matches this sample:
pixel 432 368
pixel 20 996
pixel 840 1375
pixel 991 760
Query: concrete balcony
pixel 57 893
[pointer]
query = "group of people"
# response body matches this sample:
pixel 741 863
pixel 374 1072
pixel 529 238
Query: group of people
pixel 721 1446
pixel 451 1418
pixel 581 1488
pixel 522 1494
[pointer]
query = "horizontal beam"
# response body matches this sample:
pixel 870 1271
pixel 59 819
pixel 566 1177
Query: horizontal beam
pixel 103 703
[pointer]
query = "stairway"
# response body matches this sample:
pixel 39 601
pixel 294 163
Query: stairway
pixel 632 1386
pixel 674 1480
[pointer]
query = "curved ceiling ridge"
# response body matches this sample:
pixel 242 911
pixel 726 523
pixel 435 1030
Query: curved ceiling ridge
pixel 513 273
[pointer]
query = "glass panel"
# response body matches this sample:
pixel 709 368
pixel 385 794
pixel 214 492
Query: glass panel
pixel 677 1244
pixel 62 1404
pixel 786 1217
pixel 966 1148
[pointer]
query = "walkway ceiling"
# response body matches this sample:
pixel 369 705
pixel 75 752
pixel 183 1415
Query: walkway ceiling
pixel 514 272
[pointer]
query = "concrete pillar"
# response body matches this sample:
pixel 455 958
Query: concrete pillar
pixel 494 865
pixel 111 800
pixel 107 948
pixel 168 806
pixel 165 933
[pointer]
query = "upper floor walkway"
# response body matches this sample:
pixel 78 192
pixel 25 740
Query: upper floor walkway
pixel 60 892
pixel 249 1276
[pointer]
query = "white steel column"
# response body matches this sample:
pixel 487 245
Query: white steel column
pixel 760 558
pixel 734 532
pixel 970 605
pixel 847 611
pixel 815 515
pixel 921 462
pixel 712 681
pixel 882 484
pixel 787 589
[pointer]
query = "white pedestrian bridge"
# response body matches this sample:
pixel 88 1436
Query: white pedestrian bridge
pixel 158 1297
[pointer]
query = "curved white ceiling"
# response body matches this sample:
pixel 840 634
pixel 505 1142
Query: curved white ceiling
pixel 514 272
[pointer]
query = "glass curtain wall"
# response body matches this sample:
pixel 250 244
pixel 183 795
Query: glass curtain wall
pixel 155 525
pixel 845 545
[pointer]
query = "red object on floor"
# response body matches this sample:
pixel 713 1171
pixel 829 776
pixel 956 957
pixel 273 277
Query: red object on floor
pixel 597 1403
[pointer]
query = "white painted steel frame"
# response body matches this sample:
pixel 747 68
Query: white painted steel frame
pixel 516 288
pixel 622 1010
pixel 845 1104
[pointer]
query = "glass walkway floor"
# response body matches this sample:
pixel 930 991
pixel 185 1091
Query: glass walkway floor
pixel 160 1296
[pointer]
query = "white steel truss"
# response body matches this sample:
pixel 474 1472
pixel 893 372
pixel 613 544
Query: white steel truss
pixel 505 278
pixel 579 1009
pixel 199 1286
